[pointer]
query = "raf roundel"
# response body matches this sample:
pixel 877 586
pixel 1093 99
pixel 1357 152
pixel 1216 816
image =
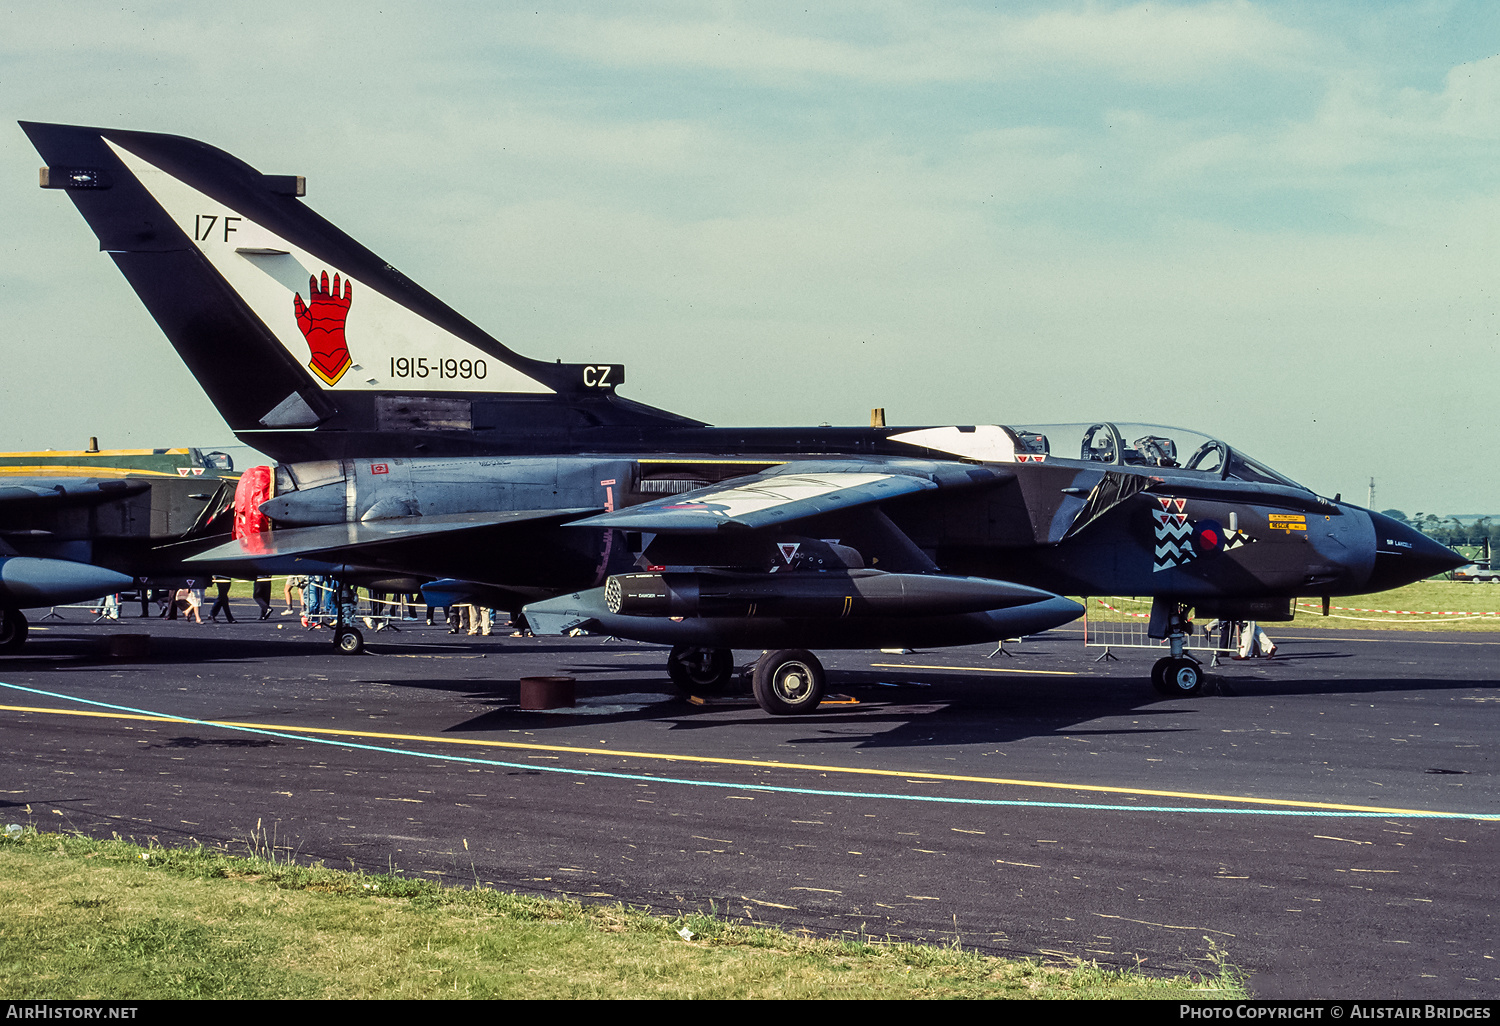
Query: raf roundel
pixel 1208 536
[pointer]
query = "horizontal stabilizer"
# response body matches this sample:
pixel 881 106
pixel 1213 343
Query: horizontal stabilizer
pixel 348 542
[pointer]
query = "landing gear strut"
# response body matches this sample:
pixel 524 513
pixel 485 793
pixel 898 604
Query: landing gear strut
pixel 346 639
pixel 12 630
pixel 700 670
pixel 789 681
pixel 1179 674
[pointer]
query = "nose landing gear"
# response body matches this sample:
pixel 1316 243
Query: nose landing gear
pixel 1177 676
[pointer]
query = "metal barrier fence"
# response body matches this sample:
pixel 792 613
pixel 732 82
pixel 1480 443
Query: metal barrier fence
pixel 100 609
pixel 376 614
pixel 1222 639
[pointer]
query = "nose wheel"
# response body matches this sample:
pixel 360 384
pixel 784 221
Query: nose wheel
pixel 348 641
pixel 1177 676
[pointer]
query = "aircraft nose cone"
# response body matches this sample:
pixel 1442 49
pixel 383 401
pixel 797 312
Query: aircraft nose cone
pixel 1404 555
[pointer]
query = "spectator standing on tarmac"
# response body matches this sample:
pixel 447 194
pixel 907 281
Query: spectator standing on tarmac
pixel 1254 641
pixel 294 583
pixel 222 584
pixel 262 595
pixel 312 600
pixel 193 596
pixel 481 620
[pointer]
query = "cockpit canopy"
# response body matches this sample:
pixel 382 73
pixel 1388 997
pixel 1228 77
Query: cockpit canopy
pixel 1117 444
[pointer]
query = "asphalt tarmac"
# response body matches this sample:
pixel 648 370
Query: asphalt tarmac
pixel 1326 820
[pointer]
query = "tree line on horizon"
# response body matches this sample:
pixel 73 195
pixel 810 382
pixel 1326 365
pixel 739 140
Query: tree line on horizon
pixel 1450 530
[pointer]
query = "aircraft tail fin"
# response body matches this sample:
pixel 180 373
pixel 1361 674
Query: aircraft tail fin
pixel 308 343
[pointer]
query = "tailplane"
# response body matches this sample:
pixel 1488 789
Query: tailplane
pixel 308 343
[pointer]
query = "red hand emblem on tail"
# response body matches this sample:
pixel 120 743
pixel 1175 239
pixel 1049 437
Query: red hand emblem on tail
pixel 322 324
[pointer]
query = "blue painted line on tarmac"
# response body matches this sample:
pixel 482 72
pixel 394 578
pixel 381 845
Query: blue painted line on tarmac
pixel 764 788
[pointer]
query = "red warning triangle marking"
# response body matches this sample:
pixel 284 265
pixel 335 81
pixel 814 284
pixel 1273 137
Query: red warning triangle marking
pixel 788 549
pixel 1181 504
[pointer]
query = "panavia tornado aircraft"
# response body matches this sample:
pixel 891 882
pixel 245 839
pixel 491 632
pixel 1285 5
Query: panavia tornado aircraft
pixel 412 442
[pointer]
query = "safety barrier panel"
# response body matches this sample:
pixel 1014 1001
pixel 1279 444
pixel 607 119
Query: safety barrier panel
pixel 1112 634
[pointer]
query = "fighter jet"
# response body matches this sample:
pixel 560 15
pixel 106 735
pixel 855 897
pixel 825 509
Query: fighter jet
pixel 39 581
pixel 75 525
pixel 416 443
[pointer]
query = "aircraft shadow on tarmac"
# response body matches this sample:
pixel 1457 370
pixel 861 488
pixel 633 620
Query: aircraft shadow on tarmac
pixel 78 645
pixel 898 706
pixel 940 709
pixel 60 646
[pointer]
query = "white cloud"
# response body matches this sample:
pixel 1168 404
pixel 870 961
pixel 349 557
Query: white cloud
pixel 903 43
pixel 1160 42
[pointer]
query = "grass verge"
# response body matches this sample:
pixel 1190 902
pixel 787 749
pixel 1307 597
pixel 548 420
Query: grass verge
pixel 1427 599
pixel 85 918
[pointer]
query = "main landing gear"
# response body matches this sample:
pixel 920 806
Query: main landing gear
pixel 13 631
pixel 698 671
pixel 786 682
pixel 789 681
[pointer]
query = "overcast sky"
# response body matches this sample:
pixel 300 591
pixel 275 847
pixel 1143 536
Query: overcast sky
pixel 1272 222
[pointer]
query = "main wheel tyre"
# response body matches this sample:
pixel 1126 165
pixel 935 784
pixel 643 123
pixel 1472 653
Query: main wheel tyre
pixel 12 630
pixel 349 641
pixel 1179 677
pixel 700 670
pixel 788 682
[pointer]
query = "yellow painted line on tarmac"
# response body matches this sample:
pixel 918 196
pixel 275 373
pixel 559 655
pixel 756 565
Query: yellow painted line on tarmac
pixel 752 763
pixel 89 712
pixel 973 669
